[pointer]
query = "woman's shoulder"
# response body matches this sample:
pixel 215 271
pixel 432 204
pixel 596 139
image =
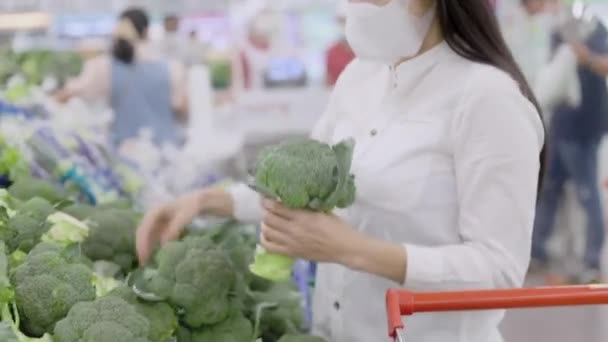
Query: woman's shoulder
pixel 487 79
pixel 492 96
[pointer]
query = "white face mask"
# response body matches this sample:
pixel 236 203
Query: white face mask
pixel 386 33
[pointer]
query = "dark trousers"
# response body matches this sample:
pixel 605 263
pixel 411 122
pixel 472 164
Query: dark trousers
pixel 577 162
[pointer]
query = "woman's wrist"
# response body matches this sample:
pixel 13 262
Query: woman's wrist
pixel 365 254
pixel 215 201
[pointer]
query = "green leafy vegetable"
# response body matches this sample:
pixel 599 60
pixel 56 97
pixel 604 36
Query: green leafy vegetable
pixel 302 174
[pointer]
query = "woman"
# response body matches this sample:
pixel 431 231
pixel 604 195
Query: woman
pixel 447 164
pixel 143 90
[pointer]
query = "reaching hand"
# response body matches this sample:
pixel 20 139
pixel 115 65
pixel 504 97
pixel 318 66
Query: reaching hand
pixel 166 223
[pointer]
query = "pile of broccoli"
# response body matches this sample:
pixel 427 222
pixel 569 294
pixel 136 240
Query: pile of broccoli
pixel 69 273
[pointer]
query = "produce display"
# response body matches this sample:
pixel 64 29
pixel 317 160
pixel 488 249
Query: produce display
pixel 70 207
pixel 68 274
pixel 302 174
pixel 33 67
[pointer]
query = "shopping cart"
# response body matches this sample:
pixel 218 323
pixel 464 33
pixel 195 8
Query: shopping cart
pixel 405 303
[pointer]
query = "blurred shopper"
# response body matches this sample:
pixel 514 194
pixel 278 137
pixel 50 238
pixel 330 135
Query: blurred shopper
pixel 173 46
pixel 576 131
pixel 258 49
pixel 446 164
pixel 142 89
pixel 527 28
pixel 196 51
pixel 339 54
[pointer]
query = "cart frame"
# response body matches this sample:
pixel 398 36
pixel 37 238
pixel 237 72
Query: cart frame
pixel 401 303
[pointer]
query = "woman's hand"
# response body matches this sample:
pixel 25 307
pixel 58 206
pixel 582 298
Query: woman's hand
pixel 306 235
pixel 167 223
pixel 326 238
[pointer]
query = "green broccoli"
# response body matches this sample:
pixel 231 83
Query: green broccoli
pixel 236 328
pixel 302 174
pixel 112 237
pixel 79 211
pixel 160 316
pixel 7 331
pixel 107 319
pixel 25 188
pixel 47 284
pixel 307 174
pixel 37 208
pixel 24 230
pixel 65 230
pixel 283 313
pixel 195 277
pixel 301 338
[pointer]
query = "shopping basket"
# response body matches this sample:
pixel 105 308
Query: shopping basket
pixel 405 303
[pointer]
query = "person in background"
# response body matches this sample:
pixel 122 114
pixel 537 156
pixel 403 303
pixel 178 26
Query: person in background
pixel 527 28
pixel 257 49
pixel 173 46
pixel 449 138
pixel 577 127
pixel 143 90
pixel 340 54
pixel 196 51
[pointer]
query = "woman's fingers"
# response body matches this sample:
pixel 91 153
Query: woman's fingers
pixel 280 210
pixel 274 247
pixel 277 222
pixel 274 235
pixel 176 226
pixel 145 235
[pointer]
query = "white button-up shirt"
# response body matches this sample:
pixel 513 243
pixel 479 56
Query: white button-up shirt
pixel 446 163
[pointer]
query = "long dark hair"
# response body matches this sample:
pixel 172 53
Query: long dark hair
pixel 123 50
pixel 471 29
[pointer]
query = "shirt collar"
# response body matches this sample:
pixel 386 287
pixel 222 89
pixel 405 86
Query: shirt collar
pixel 412 69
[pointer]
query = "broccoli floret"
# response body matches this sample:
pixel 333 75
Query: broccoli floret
pixel 79 211
pixel 24 230
pixel 47 285
pixel 112 237
pixel 303 174
pixel 107 319
pixel 160 316
pixel 37 208
pixel 195 277
pixel 236 328
pixel 286 316
pixel 26 188
pixel 301 338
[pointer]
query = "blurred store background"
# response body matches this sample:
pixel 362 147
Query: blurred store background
pixel 254 73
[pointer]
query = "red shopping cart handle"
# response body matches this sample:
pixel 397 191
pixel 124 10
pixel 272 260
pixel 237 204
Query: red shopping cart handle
pixel 405 303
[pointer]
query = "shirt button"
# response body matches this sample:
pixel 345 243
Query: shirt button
pixel 337 305
pixel 373 132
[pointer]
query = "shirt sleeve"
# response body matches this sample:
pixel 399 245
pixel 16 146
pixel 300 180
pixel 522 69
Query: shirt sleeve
pixel 93 83
pixel 497 138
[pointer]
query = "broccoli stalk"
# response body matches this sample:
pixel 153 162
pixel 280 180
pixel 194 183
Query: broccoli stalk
pixel 302 174
pixel 65 230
